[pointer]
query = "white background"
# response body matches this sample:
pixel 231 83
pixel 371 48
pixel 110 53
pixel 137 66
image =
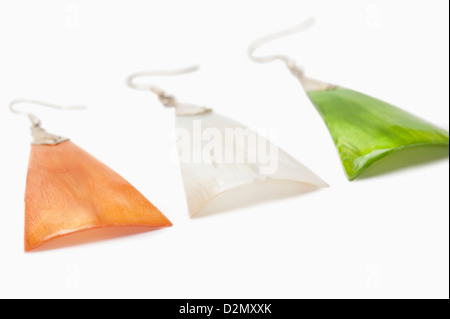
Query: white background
pixel 385 235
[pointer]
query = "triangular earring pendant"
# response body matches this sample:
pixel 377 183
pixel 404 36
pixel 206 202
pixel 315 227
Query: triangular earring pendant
pixel 205 142
pixel 70 191
pixel 365 129
pixel 219 155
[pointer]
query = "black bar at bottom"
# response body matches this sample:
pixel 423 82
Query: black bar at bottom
pixel 203 308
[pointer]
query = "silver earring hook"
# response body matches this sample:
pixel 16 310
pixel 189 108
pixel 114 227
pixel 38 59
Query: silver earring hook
pixel 147 87
pixel 166 100
pixel 34 120
pixel 181 109
pixel 290 63
pixel 41 136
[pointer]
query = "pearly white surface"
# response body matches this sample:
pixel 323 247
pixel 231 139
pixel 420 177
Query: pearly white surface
pixel 206 178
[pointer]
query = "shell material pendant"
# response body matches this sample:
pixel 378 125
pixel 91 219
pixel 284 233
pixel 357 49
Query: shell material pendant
pixel 69 191
pixel 365 129
pixel 218 154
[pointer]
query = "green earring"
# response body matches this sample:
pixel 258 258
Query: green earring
pixel 364 129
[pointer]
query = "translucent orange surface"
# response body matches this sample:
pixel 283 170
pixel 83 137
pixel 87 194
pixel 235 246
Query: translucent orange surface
pixel 69 191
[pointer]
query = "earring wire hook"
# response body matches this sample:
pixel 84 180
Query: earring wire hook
pixel 290 63
pixel 166 100
pixel 41 136
pixel 34 120
pixel 181 109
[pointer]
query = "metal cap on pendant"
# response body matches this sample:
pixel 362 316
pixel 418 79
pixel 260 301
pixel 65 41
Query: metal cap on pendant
pixel 41 136
pixel 296 70
pixel 181 109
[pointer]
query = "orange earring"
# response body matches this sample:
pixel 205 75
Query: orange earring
pixel 69 191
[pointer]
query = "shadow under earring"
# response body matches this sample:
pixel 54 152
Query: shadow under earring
pixel 364 129
pixel 218 154
pixel 70 191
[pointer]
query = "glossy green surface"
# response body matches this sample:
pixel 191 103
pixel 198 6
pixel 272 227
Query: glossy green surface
pixel 365 129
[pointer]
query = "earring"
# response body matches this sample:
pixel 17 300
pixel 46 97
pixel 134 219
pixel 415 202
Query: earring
pixel 363 128
pixel 218 154
pixel 70 191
